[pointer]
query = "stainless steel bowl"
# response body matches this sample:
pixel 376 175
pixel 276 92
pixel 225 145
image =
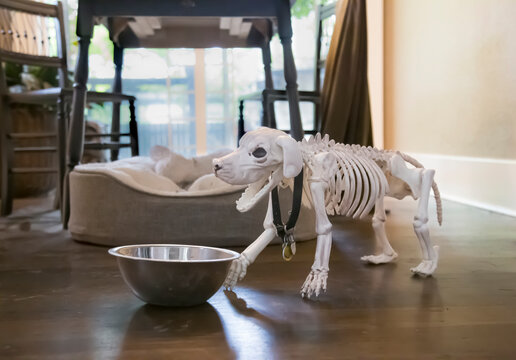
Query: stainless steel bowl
pixel 173 275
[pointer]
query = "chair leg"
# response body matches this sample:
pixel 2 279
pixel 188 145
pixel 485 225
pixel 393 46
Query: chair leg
pixel 65 203
pixel 266 121
pixel 118 56
pixel 241 124
pixel 133 130
pixel 6 192
pixel 61 149
pixel 270 105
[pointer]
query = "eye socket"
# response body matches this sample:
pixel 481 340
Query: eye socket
pixel 259 152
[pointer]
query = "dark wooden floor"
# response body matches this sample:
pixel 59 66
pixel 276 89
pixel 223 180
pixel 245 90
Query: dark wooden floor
pixel 63 300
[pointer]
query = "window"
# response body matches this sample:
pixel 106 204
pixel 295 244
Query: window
pixel 186 98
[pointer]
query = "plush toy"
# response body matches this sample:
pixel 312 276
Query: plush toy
pixel 181 170
pixel 338 180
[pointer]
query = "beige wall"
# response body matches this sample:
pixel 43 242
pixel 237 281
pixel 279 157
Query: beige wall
pixel 450 77
pixel 375 60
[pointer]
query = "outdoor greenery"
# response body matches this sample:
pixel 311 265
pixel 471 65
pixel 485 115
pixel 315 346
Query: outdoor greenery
pixel 43 75
pixel 302 8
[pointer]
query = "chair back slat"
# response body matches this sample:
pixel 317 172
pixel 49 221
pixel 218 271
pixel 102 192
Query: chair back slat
pixel 31 7
pixel 61 47
pixel 30 59
pixel 32 35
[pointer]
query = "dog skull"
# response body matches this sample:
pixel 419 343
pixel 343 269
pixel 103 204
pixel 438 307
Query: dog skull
pixel 261 161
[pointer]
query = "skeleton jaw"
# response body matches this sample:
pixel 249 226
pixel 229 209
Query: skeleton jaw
pixel 257 190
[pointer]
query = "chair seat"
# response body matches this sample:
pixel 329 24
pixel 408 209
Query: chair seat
pixel 35 149
pixel 273 95
pixel 33 170
pixel 105 145
pixel 50 95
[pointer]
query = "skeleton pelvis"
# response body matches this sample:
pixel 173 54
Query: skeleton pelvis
pixel 398 188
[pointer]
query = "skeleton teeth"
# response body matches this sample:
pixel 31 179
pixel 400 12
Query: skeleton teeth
pixel 249 194
pixel 257 190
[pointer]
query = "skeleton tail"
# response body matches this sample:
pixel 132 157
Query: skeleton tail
pixel 437 194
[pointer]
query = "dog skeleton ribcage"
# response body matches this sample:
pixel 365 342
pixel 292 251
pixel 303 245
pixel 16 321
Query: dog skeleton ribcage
pixel 359 175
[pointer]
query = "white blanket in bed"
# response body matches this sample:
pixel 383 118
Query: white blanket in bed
pixel 139 173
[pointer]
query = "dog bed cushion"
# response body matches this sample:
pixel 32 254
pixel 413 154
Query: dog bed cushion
pixel 126 202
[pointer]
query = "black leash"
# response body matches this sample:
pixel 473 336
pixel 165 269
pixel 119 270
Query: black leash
pixel 286 231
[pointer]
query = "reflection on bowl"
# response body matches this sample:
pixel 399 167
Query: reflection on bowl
pixel 173 275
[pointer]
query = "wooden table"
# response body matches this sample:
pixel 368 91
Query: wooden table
pixel 90 10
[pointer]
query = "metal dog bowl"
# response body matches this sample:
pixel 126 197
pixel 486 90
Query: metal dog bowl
pixel 173 275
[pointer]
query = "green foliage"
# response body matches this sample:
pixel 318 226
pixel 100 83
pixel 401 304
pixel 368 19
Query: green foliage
pixel 100 43
pixel 43 74
pixel 12 73
pixel 302 8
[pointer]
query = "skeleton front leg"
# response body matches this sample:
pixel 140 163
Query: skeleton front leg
pixel 238 268
pixel 316 280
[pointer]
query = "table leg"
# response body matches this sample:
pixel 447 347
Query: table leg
pixel 269 118
pixel 118 59
pixel 289 69
pixel 76 131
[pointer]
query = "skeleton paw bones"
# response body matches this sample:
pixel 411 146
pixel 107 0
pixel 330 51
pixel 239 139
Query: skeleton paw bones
pixel 342 179
pixel 237 271
pixel 314 283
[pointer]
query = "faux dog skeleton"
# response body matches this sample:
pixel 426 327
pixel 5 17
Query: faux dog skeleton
pixel 339 180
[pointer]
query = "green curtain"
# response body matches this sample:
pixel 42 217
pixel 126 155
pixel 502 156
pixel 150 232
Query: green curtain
pixel 345 110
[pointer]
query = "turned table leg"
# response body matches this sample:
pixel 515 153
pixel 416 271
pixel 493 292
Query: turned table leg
pixel 75 141
pixel 269 118
pixel 289 69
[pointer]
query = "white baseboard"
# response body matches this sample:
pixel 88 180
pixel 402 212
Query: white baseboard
pixel 482 182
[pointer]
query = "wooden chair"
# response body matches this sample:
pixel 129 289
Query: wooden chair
pixel 268 96
pixel 33 33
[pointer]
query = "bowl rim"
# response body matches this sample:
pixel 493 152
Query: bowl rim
pixel 115 252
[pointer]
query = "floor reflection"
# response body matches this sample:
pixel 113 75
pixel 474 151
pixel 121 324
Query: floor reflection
pixel 431 312
pixel 259 324
pixel 240 305
pixel 166 329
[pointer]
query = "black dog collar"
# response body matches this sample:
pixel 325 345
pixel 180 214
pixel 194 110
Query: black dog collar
pixel 286 231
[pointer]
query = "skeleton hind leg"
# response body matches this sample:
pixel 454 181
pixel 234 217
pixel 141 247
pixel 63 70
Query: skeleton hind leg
pixel 387 252
pixel 420 182
pixel 429 251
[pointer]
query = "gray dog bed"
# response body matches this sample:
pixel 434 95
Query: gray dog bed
pixel 108 211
